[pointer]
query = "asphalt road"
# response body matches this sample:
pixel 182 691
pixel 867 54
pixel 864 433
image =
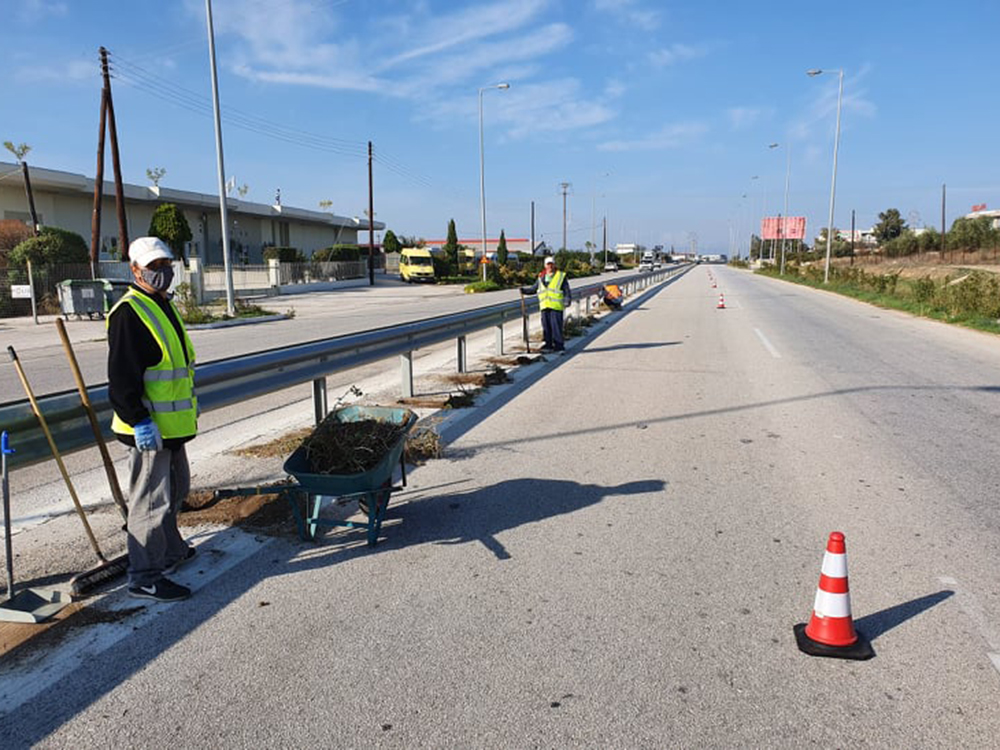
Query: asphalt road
pixel 612 553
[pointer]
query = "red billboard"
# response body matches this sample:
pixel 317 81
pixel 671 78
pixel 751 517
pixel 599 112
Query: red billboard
pixel 783 228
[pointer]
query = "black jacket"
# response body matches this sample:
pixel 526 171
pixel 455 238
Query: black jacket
pixel 132 349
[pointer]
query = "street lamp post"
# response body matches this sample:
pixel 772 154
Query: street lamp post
pixel 783 220
pixel 833 182
pixel 482 170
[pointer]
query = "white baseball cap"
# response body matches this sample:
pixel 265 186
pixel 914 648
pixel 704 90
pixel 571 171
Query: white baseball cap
pixel 144 250
pixel 550 259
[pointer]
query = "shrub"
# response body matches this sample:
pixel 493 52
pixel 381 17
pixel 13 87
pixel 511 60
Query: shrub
pixel 191 312
pixel 338 253
pixel 284 254
pixel 52 245
pixel 482 286
pixel 923 289
pixel 13 233
pixel 170 225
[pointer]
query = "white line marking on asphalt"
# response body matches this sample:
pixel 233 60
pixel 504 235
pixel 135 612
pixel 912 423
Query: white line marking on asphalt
pixel 767 344
pixel 971 607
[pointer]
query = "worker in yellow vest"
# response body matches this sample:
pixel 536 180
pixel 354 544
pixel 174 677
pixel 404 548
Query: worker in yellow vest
pixel 552 288
pixel 151 389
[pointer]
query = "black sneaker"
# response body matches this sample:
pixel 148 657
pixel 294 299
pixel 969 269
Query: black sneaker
pixel 191 554
pixel 163 590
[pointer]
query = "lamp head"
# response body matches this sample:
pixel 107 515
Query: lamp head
pixel 773 145
pixel 503 85
pixel 814 72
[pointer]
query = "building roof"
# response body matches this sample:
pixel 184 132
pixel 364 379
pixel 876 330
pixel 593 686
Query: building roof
pixel 71 183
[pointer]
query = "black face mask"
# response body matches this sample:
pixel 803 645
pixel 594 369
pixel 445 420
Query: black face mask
pixel 160 279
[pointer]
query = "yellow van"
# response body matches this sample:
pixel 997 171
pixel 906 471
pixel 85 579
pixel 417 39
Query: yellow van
pixel 466 260
pixel 416 264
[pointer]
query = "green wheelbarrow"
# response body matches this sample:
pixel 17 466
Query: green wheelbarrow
pixel 372 488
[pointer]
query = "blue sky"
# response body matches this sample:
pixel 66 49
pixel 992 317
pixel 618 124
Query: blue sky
pixel 659 114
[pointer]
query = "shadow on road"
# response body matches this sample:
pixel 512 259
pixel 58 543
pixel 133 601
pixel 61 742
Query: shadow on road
pixel 460 516
pixel 620 347
pixel 874 625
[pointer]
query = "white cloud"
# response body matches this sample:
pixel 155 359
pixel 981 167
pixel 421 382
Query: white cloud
pixel 614 88
pixel 68 72
pixel 481 65
pixel 675 53
pixel 526 109
pixel 470 25
pixel 481 44
pixel 744 117
pixel 631 12
pixel 669 136
pixel 33 11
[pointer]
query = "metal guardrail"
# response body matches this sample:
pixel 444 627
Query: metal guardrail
pixel 228 381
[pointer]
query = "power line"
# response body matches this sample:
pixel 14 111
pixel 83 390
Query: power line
pixel 164 89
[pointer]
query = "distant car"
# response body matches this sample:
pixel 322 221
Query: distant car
pixel 610 266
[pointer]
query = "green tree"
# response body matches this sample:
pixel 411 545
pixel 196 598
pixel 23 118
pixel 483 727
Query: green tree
pixel 168 223
pixel 502 250
pixel 841 247
pixel 451 246
pixel 52 245
pixel 390 243
pixel 890 225
pixel 155 174
pixel 19 151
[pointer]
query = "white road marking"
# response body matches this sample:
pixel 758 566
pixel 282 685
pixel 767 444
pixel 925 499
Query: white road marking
pixel 975 613
pixel 767 344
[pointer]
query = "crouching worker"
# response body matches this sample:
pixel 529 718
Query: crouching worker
pixel 151 389
pixel 552 288
pixel 611 295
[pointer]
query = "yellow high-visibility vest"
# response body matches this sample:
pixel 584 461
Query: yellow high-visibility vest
pixel 168 386
pixel 550 296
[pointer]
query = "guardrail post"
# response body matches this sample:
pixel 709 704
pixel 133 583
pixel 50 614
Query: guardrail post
pixel 406 371
pixel 461 353
pixel 499 330
pixel 319 399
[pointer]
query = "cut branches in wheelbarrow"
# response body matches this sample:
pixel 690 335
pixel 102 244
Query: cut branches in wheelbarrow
pixel 352 453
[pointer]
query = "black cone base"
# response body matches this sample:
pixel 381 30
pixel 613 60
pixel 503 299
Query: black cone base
pixel 860 650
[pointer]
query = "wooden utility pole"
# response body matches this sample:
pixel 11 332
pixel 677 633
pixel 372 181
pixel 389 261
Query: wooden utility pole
pixel 95 220
pixel 371 221
pixel 31 198
pixel 115 163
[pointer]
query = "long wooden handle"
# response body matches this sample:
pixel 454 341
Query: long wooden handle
pixel 109 467
pixel 55 452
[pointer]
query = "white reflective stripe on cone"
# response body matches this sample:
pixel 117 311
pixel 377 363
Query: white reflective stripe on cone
pixel 832 605
pixel 835 565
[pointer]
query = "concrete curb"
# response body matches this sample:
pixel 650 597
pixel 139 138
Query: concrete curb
pixel 238 322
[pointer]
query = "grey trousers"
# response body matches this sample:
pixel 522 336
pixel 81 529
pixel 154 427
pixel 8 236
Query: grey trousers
pixel 158 483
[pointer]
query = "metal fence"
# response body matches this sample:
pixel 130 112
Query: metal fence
pixel 307 273
pixel 45 279
pixel 244 277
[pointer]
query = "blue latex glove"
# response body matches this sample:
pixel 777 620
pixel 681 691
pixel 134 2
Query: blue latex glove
pixel 147 436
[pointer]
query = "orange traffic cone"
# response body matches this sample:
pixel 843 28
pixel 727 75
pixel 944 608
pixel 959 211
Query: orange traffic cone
pixel 831 631
pixel 722 302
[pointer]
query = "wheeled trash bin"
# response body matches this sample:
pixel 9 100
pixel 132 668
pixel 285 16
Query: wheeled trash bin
pixel 81 297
